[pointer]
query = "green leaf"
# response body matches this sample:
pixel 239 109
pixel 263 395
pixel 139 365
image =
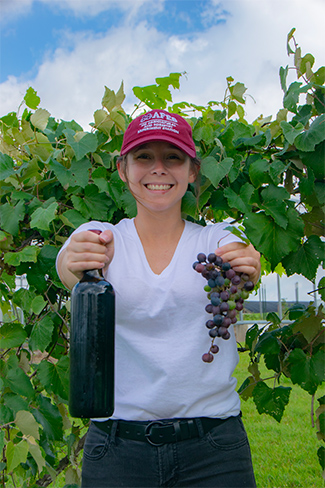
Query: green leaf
pixel 42 217
pixel 315 160
pixel 40 118
pixel 321 288
pixel 38 304
pixel 109 99
pixel 237 91
pixel 309 324
pixel 19 382
pixel 289 37
pixel 36 452
pixel 41 334
pixel 274 204
pixel 274 318
pixel 306 259
pixel 12 335
pixel 291 97
pixel 55 377
pixel 15 402
pixel 268 344
pixel 49 417
pixel 246 389
pixel 237 232
pixel 23 299
pixel 240 202
pixel 27 424
pixel 16 454
pixel 31 98
pixel 259 172
pixel 252 336
pixel 215 170
pixel 189 204
pixel 6 166
pixel 283 77
pixel 313 136
pixel 271 239
pixel 81 143
pixel 321 456
pixel 26 255
pixel 306 371
pixel 290 132
pixel 73 218
pixel 271 401
pixel 77 175
pixel 11 216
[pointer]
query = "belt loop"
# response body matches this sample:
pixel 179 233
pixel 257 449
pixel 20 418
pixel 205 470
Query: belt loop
pixel 199 427
pixel 178 431
pixel 113 430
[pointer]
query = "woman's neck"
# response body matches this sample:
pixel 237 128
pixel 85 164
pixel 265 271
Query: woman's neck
pixel 159 226
pixel 159 237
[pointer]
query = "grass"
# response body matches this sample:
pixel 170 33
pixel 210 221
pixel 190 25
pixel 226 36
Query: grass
pixel 284 454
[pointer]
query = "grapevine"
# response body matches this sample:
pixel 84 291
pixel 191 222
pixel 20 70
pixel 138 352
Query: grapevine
pixel 226 291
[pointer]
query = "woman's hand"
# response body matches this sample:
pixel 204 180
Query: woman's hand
pixel 86 250
pixel 243 259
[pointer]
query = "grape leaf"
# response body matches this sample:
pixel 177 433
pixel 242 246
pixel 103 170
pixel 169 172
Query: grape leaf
pixel 306 259
pixel 12 335
pixel 27 424
pixel 87 142
pixel 6 166
pixel 31 98
pixel 215 170
pixel 313 136
pixel 271 239
pixel 54 377
pixel 49 417
pixel 16 454
pixel 11 216
pixel 310 325
pixel 306 371
pixel 41 334
pixel 271 400
pixel 43 216
pixel 19 382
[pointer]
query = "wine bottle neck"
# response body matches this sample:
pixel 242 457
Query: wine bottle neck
pixel 94 273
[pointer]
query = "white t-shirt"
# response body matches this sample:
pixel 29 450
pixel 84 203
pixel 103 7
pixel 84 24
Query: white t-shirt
pixel 161 333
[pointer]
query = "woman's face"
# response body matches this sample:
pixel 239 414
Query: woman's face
pixel 158 174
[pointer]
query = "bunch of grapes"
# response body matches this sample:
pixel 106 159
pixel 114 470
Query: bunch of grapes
pixel 226 291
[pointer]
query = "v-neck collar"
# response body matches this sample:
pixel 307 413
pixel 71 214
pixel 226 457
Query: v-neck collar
pixel 166 270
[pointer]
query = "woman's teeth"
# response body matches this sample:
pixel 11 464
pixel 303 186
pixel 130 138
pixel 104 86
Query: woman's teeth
pixel 158 187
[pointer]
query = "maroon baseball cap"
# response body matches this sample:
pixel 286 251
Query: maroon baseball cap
pixel 159 125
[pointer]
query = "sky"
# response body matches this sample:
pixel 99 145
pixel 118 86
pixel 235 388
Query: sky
pixel 68 50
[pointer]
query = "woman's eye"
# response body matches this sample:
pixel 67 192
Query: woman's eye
pixel 142 156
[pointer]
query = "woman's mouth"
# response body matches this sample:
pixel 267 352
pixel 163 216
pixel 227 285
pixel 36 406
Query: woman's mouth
pixel 160 187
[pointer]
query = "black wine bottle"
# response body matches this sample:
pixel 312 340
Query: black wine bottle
pixel 92 338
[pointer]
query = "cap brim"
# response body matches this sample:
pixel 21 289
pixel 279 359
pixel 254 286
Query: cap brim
pixel 151 138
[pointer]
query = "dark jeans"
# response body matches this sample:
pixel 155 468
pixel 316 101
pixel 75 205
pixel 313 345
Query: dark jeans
pixel 221 458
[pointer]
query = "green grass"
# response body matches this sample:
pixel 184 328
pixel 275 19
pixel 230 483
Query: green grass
pixel 284 454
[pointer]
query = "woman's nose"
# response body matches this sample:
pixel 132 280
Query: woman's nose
pixel 158 167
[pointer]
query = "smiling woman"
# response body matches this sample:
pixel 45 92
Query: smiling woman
pixel 164 403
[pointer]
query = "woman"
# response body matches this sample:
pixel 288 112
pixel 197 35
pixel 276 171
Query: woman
pixel 177 419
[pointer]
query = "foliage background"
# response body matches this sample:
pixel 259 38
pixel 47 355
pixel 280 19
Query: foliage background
pixel 268 177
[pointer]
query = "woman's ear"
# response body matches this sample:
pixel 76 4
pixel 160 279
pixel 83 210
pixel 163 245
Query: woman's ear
pixel 194 171
pixel 120 165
